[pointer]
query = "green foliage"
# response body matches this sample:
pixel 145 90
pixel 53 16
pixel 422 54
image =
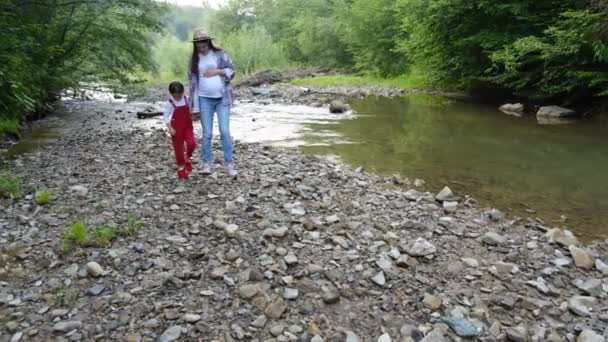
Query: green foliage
pixel 9 126
pixel 371 29
pixel 252 49
pixel 566 58
pixel 305 31
pixel 76 234
pixel 131 226
pixel 408 81
pixel 43 196
pixel 172 56
pixel 99 207
pixel 48 46
pixel 83 234
pixel 10 186
pixel 103 235
pixel 534 48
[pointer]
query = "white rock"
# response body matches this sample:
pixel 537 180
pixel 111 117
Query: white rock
pixel 177 239
pixel 470 262
pixel 582 305
pixel 564 238
pixel 67 326
pixel 450 206
pixel 495 215
pixel 94 269
pixel 291 259
pixel 421 247
pixel 332 219
pixel 555 112
pixel 515 109
pixel 231 230
pixel 384 264
pixel 581 258
pixel 297 211
pixel 191 318
pixel 280 232
pixel 351 336
pixel 384 338
pixel 171 334
pixel 445 194
pixel 290 294
pixel 80 190
pixel 248 291
pixel 17 337
pixel 532 245
pixel 588 335
pixel 493 239
pixel 601 266
pixel 379 279
pixel 394 253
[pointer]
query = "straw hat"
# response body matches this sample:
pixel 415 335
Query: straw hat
pixel 200 35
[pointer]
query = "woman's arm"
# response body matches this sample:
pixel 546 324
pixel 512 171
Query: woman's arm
pixel 224 69
pixel 227 67
pixel 192 90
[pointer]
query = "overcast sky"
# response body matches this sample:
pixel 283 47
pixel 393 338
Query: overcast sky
pixel 213 3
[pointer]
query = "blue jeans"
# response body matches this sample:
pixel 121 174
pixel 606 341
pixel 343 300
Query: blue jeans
pixel 208 107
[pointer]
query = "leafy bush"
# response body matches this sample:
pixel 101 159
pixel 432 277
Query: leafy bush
pixel 10 185
pixel 83 234
pixel 43 196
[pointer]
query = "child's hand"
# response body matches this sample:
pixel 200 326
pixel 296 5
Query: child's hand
pixel 171 130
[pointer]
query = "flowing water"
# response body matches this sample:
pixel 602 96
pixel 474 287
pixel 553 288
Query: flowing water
pixel 558 171
pixel 555 172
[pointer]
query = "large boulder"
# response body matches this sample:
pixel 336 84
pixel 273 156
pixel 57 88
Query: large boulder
pixel 515 109
pixel 337 107
pixel 556 112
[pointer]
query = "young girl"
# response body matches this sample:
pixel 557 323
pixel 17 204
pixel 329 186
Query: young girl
pixel 179 124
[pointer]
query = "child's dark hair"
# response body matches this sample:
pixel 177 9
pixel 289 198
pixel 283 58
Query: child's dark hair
pixel 176 88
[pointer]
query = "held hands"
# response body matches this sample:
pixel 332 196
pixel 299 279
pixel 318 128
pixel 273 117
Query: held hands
pixel 213 72
pixel 171 130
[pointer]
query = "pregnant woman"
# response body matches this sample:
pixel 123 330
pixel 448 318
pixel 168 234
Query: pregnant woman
pixel 209 76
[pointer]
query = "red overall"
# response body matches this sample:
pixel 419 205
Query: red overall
pixel 184 133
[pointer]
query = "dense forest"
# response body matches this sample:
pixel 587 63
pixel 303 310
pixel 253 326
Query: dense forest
pixel 534 49
pixel 541 49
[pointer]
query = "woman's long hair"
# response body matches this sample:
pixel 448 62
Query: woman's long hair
pixel 194 59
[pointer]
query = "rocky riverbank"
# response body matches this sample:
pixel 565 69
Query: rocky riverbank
pixel 274 87
pixel 298 248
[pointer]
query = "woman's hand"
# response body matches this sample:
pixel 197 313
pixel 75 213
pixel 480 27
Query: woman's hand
pixel 171 130
pixel 213 72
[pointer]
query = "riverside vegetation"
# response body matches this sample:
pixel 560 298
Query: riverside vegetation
pixel 538 50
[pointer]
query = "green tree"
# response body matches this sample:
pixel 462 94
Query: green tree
pixel 49 46
pixel 371 29
pixel 568 59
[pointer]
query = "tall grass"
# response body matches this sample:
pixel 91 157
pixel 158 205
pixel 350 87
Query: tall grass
pixel 43 196
pixel 81 233
pixel 10 186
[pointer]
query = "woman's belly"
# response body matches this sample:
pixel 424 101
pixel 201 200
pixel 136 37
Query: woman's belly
pixel 210 87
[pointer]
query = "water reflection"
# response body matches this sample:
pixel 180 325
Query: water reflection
pixel 511 162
